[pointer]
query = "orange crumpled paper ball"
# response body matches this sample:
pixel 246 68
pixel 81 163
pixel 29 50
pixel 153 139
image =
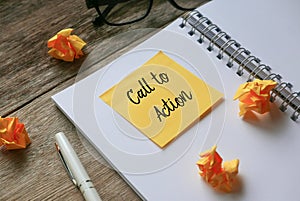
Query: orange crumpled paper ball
pixel 65 46
pixel 220 176
pixel 13 134
pixel 255 96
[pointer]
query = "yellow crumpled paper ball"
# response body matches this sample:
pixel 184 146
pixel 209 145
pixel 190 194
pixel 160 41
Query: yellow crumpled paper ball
pixel 65 46
pixel 255 96
pixel 220 176
pixel 13 134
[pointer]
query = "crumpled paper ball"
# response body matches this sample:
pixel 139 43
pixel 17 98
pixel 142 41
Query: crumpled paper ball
pixel 255 96
pixel 65 46
pixel 13 134
pixel 220 176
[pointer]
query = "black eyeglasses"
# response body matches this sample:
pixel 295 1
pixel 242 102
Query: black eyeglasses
pixel 122 12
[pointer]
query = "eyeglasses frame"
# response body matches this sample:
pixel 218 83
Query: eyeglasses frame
pixel 112 3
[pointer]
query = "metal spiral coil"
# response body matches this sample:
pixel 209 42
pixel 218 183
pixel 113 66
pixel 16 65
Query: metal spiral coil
pixel 242 66
pixel 224 46
pixel 215 39
pixel 272 76
pixel 289 99
pixel 279 88
pixel 207 29
pixel 235 54
pixel 260 68
pixel 296 114
pixel 188 16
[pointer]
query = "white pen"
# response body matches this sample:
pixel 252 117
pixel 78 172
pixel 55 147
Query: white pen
pixel 74 168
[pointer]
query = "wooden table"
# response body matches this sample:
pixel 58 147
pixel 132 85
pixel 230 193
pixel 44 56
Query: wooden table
pixel 29 77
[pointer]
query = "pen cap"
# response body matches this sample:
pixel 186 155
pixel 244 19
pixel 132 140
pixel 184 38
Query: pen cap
pixel 89 192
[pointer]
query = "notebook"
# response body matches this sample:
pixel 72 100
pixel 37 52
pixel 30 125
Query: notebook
pixel 225 44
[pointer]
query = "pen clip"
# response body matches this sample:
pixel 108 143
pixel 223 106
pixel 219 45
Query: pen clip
pixel 65 165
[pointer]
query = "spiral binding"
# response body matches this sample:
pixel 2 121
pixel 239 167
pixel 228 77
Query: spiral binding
pixel 260 68
pixel 243 58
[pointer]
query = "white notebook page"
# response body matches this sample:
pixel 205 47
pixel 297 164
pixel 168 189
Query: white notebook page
pixel 267 147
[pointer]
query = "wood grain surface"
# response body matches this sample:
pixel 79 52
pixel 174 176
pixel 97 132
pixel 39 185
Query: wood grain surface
pixel 29 77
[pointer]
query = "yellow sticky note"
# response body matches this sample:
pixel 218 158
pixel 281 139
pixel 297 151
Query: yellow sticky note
pixel 161 98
